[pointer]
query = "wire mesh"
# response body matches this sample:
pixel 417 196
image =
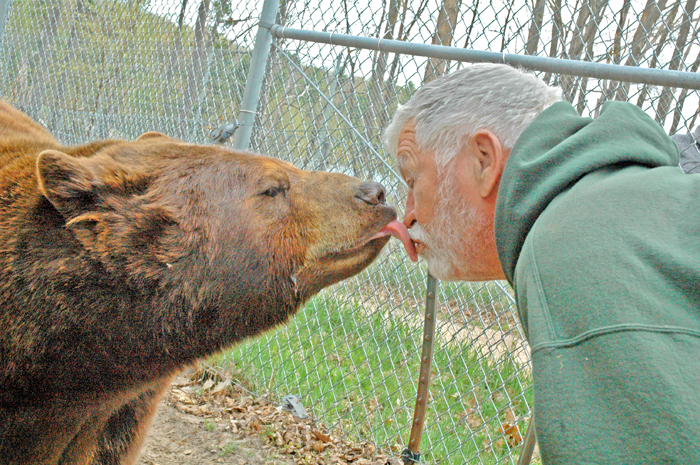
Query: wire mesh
pixel 93 69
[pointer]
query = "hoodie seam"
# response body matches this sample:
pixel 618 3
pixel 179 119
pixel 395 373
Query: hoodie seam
pixel 606 330
pixel 538 285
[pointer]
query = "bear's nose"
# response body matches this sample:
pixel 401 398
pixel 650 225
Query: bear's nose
pixel 371 192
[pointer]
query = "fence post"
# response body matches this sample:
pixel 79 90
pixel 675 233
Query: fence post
pixel 411 454
pixel 256 74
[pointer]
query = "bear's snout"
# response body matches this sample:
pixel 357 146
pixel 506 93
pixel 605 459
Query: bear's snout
pixel 371 192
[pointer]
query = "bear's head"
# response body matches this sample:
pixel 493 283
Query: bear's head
pixel 237 240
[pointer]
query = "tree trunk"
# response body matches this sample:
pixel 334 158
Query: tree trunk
pixel 640 42
pixel 505 26
pixel 616 56
pixel 533 36
pixel 666 98
pixel 475 13
pixel 567 82
pixel 660 42
pixel 404 32
pixel 681 101
pixel 368 114
pixel 181 18
pixel 586 26
pixel 557 30
pixel 377 86
pixel 447 19
pixel 589 39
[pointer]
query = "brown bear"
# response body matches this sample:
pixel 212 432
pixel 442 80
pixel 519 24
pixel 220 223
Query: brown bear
pixel 123 261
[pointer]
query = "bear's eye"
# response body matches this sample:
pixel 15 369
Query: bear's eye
pixel 275 191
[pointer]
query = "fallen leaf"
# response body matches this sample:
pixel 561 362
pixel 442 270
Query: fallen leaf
pixel 221 386
pixel 512 434
pixel 319 446
pixel 320 436
pixel 208 384
pixel 255 425
pixel 473 421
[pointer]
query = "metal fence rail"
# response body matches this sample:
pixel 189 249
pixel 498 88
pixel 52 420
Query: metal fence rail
pixel 91 69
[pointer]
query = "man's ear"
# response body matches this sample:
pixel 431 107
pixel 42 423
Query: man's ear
pixel 65 181
pixel 490 158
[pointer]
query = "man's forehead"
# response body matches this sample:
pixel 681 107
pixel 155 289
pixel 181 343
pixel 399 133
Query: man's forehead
pixel 409 156
pixel 406 145
pixel 407 132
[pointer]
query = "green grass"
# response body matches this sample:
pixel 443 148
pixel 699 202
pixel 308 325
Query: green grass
pixel 357 373
pixel 209 425
pixel 229 448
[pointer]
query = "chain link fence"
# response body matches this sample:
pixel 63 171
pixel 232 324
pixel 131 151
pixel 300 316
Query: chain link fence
pixel 93 69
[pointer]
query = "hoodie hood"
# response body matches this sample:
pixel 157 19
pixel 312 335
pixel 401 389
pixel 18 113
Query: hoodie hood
pixel 558 149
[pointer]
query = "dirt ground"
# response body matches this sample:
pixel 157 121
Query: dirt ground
pixel 215 422
pixel 179 438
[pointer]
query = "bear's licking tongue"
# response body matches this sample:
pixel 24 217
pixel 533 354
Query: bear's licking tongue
pixel 399 231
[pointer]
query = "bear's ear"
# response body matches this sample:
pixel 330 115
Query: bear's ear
pixel 64 180
pixel 151 135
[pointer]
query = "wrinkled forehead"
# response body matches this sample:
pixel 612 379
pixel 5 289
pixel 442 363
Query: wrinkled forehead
pixel 409 155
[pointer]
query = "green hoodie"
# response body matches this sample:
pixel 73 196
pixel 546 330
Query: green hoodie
pixel 598 231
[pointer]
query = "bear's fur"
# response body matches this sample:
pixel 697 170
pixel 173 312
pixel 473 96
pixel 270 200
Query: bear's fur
pixel 121 262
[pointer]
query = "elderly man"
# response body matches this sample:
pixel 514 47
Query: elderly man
pixel 598 231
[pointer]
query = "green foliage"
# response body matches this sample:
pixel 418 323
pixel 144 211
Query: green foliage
pixel 116 60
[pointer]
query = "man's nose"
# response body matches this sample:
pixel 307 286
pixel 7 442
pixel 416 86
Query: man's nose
pixel 409 217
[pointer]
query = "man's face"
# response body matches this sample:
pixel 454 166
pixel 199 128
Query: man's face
pixel 442 213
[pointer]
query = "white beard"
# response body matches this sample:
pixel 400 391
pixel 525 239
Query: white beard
pixel 449 238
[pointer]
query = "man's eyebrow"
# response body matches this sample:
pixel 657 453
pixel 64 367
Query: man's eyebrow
pixel 401 162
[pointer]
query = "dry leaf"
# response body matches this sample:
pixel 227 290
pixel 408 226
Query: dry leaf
pixel 221 386
pixel 319 446
pixel 255 425
pixel 512 434
pixel 208 384
pixel 368 450
pixel 320 436
pixel 473 421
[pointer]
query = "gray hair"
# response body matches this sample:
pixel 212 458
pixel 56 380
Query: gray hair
pixel 487 96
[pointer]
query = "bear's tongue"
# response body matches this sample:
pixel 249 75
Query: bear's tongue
pixel 399 231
